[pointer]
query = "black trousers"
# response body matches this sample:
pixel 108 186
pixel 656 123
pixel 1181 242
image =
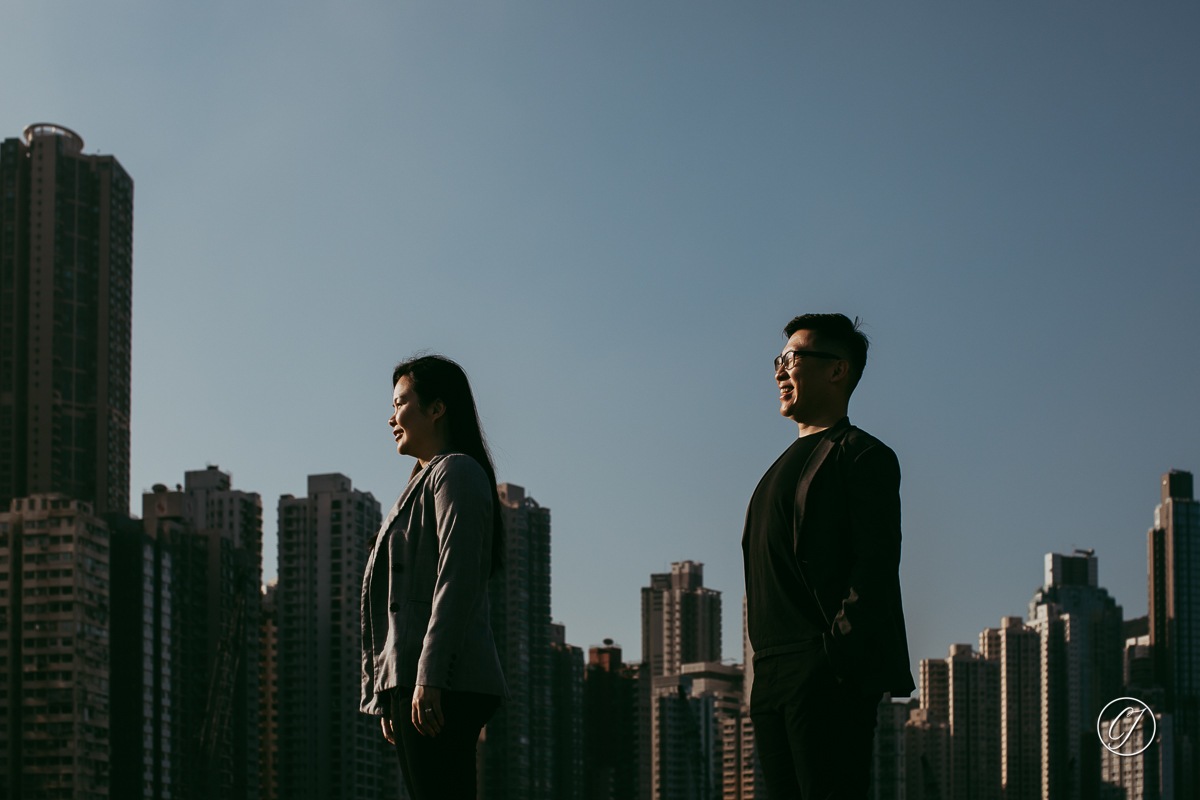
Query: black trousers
pixel 813 734
pixel 442 766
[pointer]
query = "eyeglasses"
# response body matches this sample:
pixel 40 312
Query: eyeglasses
pixel 789 359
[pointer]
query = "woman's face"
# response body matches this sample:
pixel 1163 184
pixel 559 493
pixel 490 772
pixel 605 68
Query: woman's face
pixel 415 429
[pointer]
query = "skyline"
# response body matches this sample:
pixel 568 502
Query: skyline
pixel 1008 200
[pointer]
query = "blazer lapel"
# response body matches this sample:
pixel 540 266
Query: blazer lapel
pixel 811 467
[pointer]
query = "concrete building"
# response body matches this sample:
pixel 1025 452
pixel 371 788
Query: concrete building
pixel 1146 775
pixel 268 693
pixel 212 535
pixel 1071 588
pixel 927 756
pixel 147 744
pixel 965 694
pixel 1061 701
pixel 689 713
pixel 1174 594
pixel 1017 649
pixel 327 749
pixel 742 777
pixel 519 749
pixel 66 255
pixel 566 664
pixel 611 725
pixel 681 619
pixel 889 759
pixel 54 654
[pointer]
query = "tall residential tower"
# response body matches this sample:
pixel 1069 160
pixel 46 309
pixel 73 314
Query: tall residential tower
pixel 327 749
pixel 66 255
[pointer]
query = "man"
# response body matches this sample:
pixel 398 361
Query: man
pixel 822 556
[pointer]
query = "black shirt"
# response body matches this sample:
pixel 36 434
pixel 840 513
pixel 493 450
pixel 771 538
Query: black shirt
pixel 780 610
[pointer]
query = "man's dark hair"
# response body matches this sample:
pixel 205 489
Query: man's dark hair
pixel 836 329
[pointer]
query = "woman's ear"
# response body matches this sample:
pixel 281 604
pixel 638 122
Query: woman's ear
pixel 437 410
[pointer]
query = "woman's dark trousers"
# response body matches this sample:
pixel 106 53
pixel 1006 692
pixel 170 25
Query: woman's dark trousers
pixel 442 766
pixel 813 734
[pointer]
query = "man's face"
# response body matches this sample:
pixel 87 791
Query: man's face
pixel 809 387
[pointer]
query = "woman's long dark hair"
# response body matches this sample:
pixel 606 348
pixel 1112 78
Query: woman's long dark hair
pixel 439 378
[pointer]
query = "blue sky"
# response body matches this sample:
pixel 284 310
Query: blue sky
pixel 607 211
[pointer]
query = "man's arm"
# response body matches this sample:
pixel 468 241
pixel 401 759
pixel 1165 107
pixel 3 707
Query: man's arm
pixel 872 483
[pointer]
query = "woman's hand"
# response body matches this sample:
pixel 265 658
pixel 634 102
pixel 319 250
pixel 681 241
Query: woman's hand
pixel 427 710
pixel 388 733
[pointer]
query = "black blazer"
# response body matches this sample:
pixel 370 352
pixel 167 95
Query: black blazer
pixel 847 541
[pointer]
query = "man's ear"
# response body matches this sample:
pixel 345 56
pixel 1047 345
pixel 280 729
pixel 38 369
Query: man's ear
pixel 841 371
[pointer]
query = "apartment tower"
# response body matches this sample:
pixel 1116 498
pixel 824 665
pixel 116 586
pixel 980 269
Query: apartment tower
pixel 1017 649
pixel 611 729
pixel 66 255
pixel 566 700
pixel 519 749
pixel 1094 673
pixel 328 750
pixel 1174 551
pixel 202 555
pixel 54 650
pixel 681 619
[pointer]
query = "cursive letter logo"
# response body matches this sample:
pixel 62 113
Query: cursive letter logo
pixel 1115 734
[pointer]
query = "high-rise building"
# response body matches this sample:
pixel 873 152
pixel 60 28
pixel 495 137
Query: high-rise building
pixel 690 709
pixel 681 619
pixel 1017 649
pixel 889 761
pixel 1174 556
pixel 268 694
pixel 610 718
pixel 1061 700
pixel 519 749
pixel 927 755
pixel 566 700
pixel 742 777
pixel 1145 775
pixel 747 655
pixel 327 749
pixel 213 534
pixel 66 255
pixel 1071 588
pixel 147 744
pixel 54 654
pixel 970 686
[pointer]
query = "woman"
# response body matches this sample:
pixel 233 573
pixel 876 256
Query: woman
pixel 430 666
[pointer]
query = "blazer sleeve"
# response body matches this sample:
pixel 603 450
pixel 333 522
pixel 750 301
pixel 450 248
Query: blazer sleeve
pixel 872 484
pixel 463 510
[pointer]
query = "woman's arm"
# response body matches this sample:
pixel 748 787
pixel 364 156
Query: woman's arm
pixel 463 509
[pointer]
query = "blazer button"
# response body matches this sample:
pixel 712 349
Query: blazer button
pixel 394 608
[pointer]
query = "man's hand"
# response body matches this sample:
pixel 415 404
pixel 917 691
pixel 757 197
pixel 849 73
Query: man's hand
pixel 388 733
pixel 427 710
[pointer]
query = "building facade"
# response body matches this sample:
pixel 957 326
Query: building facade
pixel 327 748
pixel 889 761
pixel 1017 649
pixel 212 535
pixel 566 664
pixel 66 255
pixel 690 710
pixel 54 655
pixel 1174 554
pixel 681 619
pixel 1071 588
pixel 147 744
pixel 268 694
pixel 611 725
pixel 519 749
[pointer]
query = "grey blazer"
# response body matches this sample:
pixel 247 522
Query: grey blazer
pixel 425 615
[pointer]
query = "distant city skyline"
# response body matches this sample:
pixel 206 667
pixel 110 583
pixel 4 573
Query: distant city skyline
pixel 606 214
